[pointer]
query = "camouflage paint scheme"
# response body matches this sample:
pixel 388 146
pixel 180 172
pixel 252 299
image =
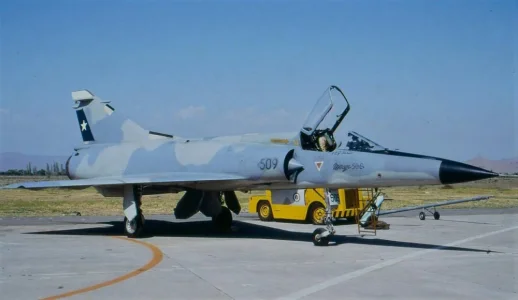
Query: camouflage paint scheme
pixel 118 155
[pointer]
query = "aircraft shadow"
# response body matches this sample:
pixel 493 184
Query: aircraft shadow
pixel 243 230
pixel 339 222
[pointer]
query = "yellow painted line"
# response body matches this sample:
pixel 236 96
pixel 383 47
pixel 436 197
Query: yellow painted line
pixel 155 260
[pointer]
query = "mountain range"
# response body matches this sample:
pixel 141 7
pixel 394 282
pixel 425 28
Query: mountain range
pixel 14 160
pixel 509 165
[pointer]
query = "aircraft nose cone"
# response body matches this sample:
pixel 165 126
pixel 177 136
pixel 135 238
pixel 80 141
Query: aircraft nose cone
pixel 455 172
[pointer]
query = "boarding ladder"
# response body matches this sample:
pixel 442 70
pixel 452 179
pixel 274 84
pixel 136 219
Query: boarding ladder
pixel 366 218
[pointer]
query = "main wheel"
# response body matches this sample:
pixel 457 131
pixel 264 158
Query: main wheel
pixel 224 219
pixel 134 228
pixel 317 213
pixel 264 211
pixel 422 216
pixel 319 241
pixel 436 215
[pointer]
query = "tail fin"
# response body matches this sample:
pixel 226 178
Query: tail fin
pixel 99 123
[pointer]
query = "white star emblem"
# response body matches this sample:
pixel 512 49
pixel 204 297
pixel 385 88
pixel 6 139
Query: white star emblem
pixel 83 125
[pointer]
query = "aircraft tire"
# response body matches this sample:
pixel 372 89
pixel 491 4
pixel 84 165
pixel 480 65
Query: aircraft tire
pixel 422 216
pixel 323 241
pixel 436 215
pixel 223 220
pixel 134 228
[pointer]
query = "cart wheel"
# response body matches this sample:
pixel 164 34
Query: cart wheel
pixel 436 215
pixel 264 211
pixel 422 216
pixel 322 241
pixel 317 213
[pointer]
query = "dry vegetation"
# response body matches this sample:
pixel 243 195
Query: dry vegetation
pixel 504 192
pixel 58 202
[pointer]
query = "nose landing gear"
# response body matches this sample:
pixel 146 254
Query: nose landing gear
pixel 322 236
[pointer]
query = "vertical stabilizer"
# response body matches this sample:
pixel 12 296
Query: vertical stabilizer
pixel 99 123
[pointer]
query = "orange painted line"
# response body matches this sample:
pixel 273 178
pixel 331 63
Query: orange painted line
pixel 155 260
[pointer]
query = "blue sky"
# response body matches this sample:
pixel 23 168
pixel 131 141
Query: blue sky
pixel 433 77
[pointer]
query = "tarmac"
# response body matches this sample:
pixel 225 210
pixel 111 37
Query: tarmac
pixel 467 254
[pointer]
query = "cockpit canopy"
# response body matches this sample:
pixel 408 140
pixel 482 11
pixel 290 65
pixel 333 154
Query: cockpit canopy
pixel 332 101
pixel 317 132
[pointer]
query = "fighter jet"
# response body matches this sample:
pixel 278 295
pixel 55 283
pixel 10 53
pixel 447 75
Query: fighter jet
pixel 120 158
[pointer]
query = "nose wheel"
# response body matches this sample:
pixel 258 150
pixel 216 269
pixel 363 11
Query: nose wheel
pixel 320 237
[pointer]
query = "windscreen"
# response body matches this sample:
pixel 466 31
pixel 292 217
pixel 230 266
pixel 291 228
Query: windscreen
pixel 358 142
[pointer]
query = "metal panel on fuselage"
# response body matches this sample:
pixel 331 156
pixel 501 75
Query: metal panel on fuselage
pixel 350 169
pixel 161 157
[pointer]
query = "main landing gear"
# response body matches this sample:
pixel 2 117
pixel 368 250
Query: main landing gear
pixel 135 227
pixel 133 216
pixel 223 221
pixel 321 236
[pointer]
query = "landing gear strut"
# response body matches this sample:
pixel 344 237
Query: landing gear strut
pixel 223 220
pixel 321 236
pixel 133 227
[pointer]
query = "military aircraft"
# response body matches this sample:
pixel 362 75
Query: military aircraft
pixel 120 158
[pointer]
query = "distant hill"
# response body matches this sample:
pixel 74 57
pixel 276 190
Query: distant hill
pixel 509 165
pixel 17 161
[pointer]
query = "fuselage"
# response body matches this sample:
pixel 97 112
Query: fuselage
pixel 263 166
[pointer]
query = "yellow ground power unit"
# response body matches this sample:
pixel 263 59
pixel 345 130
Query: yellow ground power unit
pixel 308 204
